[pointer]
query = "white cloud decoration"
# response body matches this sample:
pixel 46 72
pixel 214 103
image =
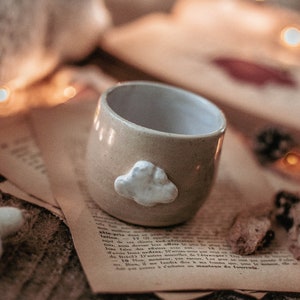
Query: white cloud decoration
pixel 146 184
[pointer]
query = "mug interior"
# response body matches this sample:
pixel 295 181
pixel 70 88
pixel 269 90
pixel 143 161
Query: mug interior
pixel 165 108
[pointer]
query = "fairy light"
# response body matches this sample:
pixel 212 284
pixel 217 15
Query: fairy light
pixel 4 94
pixel 290 36
pixel 69 92
pixel 289 165
pixel 292 159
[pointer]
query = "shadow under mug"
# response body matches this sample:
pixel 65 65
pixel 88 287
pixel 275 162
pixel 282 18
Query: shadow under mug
pixel 153 152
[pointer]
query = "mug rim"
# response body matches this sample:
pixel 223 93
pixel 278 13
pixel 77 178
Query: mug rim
pixel 220 130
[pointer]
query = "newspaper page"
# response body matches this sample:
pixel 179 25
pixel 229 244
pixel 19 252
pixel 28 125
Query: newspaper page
pixel 22 164
pixel 119 257
pixel 20 160
pixel 8 187
pixel 190 295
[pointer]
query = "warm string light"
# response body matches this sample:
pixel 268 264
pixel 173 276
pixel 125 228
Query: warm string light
pixel 292 159
pixel 69 92
pixel 4 94
pixel 290 36
pixel 60 93
pixel 289 165
pixel 14 101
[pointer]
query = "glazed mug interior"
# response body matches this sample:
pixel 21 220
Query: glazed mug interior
pixel 165 110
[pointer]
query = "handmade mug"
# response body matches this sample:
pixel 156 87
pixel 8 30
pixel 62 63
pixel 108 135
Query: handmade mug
pixel 153 152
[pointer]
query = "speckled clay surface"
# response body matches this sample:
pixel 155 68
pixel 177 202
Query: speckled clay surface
pixel 177 132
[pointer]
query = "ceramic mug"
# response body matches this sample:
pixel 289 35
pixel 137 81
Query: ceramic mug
pixel 153 152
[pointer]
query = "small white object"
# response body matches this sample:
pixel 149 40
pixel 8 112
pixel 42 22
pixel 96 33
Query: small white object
pixel 146 184
pixel 11 220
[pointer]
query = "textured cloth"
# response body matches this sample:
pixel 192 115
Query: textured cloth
pixel 40 262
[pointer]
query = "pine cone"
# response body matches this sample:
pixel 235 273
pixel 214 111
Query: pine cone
pixel 272 144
